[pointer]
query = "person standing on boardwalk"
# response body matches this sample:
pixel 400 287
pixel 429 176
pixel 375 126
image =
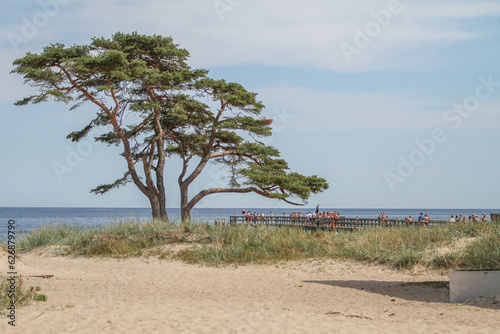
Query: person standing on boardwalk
pixel 317 209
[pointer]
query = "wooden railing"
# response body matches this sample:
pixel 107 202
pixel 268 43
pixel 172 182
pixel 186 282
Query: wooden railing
pixel 326 223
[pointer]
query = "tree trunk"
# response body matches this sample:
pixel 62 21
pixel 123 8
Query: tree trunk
pixel 160 182
pixel 157 200
pixel 157 210
pixel 155 207
pixel 185 215
pixel 185 209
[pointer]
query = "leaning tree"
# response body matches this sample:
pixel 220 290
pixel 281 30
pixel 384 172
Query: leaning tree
pixel 227 132
pixel 132 79
pixel 153 104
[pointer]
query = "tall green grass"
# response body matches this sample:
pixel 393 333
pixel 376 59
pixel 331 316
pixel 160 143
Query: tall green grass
pixel 402 247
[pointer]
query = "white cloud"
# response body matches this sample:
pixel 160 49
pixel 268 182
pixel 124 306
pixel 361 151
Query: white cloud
pixel 451 9
pixel 317 110
pixel 271 33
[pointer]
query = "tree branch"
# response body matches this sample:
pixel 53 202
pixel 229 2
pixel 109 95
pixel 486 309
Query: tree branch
pixel 256 190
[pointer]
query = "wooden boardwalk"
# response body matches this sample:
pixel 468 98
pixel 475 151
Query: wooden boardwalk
pixel 326 223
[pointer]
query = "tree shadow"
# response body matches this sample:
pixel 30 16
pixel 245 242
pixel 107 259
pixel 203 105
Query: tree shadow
pixel 420 292
pixel 428 291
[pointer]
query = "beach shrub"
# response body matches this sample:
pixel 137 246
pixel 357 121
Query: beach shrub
pixel 23 294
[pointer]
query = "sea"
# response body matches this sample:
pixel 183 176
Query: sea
pixel 30 218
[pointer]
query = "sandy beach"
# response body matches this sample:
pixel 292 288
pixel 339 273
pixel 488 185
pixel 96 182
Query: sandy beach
pixel 148 295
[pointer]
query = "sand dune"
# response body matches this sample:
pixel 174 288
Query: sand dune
pixel 155 296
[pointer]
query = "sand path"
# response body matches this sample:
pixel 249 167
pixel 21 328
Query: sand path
pixel 154 296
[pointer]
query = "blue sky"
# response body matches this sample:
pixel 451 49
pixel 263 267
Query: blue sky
pixel 395 103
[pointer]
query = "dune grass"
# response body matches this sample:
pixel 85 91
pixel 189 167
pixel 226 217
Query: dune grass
pixel 261 244
pixel 400 248
pixel 121 239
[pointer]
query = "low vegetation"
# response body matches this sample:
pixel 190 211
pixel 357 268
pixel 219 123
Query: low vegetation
pixel 17 291
pixel 464 245
pixel 122 239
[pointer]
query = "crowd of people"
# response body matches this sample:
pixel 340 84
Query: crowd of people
pixel 220 222
pixel 474 218
pixel 333 217
pixel 421 218
pixel 317 214
pixel 308 218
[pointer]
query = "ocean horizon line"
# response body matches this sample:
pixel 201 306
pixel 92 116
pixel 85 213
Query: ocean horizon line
pixel 275 208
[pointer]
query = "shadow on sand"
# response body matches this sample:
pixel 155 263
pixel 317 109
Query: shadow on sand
pixel 429 291
pixel 420 291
